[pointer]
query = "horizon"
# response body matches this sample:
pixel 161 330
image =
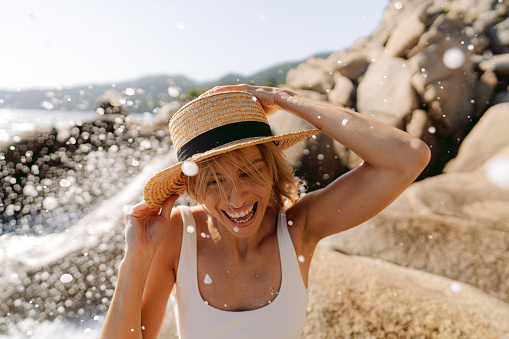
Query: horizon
pixel 75 44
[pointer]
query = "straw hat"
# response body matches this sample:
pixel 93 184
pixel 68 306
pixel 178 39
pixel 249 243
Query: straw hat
pixel 212 125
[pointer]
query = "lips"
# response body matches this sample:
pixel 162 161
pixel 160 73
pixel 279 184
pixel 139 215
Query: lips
pixel 243 216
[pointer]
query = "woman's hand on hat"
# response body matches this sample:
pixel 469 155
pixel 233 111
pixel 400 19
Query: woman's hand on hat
pixel 267 96
pixel 146 227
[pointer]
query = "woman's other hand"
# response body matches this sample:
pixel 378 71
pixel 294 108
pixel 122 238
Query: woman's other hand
pixel 146 227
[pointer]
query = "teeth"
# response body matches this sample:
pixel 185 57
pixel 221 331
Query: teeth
pixel 240 214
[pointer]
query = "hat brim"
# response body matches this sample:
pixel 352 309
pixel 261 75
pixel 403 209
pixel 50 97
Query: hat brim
pixel 172 180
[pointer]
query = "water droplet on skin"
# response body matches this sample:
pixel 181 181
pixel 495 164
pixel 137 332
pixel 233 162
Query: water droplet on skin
pixel 453 58
pixel 189 168
pixel 344 122
pixel 207 280
pixel 301 258
pixel 203 235
pixel 290 223
pixel 398 5
pixel 190 229
pixel 235 229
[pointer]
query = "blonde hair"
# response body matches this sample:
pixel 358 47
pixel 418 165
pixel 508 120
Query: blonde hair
pixel 285 186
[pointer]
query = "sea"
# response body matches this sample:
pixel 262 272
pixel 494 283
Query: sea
pixel 65 218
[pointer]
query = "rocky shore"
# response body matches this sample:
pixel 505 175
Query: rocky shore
pixel 434 264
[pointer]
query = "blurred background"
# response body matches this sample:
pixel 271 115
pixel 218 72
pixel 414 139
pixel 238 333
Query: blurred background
pixel 86 91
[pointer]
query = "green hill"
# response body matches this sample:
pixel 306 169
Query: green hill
pixel 140 95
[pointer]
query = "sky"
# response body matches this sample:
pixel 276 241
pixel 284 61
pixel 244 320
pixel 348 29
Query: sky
pixel 53 43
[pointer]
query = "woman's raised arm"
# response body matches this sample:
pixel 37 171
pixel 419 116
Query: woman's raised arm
pixel 392 160
pixel 144 280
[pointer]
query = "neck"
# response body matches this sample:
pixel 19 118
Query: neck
pixel 242 246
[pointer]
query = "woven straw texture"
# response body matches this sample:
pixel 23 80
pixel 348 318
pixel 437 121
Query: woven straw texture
pixel 200 116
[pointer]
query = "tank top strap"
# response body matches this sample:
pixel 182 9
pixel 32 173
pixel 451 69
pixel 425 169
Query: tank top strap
pixel 187 263
pixel 291 275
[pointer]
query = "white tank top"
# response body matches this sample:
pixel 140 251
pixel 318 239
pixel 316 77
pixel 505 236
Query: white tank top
pixel 281 319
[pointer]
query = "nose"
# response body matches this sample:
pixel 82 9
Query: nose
pixel 237 195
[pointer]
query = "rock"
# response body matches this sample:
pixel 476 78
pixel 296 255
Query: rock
pixel 447 88
pixel 357 297
pixel 454 225
pixel 407 32
pixel 499 35
pixel 349 63
pixel 309 76
pixel 498 64
pixel 488 136
pixel 343 91
pixel 110 102
pixel 385 92
pixel 417 124
pixel 484 92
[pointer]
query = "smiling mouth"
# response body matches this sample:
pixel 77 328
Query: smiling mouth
pixel 243 216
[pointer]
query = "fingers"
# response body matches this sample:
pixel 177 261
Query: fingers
pixel 167 206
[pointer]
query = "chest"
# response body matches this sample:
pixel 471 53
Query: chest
pixel 234 283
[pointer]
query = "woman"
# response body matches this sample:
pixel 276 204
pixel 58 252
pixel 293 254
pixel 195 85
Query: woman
pixel 239 259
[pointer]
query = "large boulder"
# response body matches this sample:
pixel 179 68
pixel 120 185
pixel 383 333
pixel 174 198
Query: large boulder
pixel 358 297
pixel 310 75
pixel 488 137
pixel 385 92
pixel 443 76
pixel 454 225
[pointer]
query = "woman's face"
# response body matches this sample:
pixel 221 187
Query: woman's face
pixel 242 209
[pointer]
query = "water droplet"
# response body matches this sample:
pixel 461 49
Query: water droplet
pixel 455 287
pixel 65 183
pixel 344 122
pixel 50 203
pixel 207 280
pixel 180 25
pixel 430 237
pixel 453 58
pixel 203 235
pixel 398 5
pixel 496 170
pixel 235 229
pixel 128 209
pixel 135 162
pixel 190 229
pixel 174 91
pixel 130 91
pixel 146 144
pixel 65 278
pixel 432 129
pixel 320 156
pixel 290 223
pixel 301 258
pixel 189 168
